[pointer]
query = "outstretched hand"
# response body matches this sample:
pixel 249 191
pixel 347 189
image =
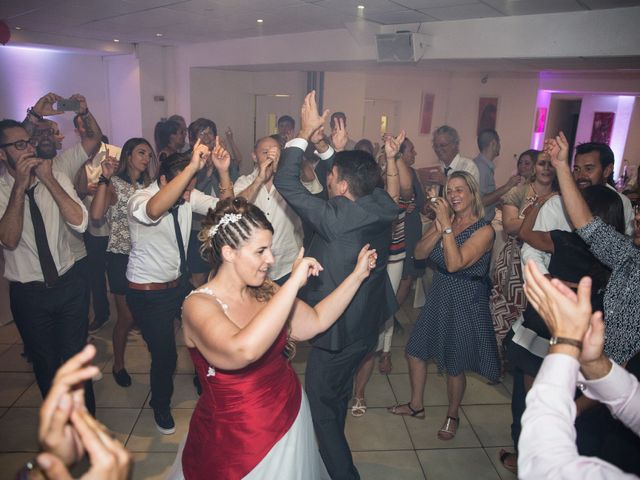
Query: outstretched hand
pixel 558 149
pixel 303 268
pixel 44 106
pixel 310 119
pixel 200 155
pixel 367 259
pixel 566 313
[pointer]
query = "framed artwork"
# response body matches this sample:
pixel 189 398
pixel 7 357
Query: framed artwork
pixel 426 113
pixel 602 127
pixel 487 113
pixel 541 119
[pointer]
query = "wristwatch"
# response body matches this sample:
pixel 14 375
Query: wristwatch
pixel 447 231
pixel 565 341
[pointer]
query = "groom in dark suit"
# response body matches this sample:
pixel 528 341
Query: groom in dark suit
pixel 356 213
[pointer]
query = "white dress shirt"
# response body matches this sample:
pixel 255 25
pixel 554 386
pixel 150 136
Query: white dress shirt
pixel 155 257
pixel 553 216
pixel 287 227
pixel 67 163
pixel 22 264
pixel 462 163
pixel 547 445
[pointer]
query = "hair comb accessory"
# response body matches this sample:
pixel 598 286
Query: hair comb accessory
pixel 224 221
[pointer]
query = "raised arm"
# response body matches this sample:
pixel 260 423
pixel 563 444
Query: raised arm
pixel 105 195
pixel 495 196
pixel 265 173
pixel 287 181
pixel 88 128
pixel 11 222
pixel 42 108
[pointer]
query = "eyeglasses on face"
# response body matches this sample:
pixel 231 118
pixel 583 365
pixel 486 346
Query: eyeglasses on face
pixel 42 132
pixel 21 144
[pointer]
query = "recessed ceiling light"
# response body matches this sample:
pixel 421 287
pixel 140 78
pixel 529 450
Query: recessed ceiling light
pixel 18 28
pixel 116 40
pixel 360 7
pixel 260 20
pixel 158 34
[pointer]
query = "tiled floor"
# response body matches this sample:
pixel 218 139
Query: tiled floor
pixel 385 446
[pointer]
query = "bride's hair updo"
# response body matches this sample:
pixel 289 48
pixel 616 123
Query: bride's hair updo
pixel 232 223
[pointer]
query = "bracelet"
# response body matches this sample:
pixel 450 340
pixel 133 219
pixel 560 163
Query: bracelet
pixel 392 174
pixel 566 341
pixel 226 189
pixel 31 111
pixel 102 180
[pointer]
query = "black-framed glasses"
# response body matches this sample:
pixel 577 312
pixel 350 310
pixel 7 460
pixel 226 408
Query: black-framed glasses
pixel 21 144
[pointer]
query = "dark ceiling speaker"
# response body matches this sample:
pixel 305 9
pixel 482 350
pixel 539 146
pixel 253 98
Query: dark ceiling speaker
pixel 401 46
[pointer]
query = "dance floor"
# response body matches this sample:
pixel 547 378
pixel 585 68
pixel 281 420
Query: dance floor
pixel 384 446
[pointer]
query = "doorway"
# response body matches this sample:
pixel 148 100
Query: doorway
pixel 380 117
pixel 564 113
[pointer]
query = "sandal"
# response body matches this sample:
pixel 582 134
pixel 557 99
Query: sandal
pixel 359 407
pixel 449 428
pixel 507 460
pixel 411 413
pixel 384 365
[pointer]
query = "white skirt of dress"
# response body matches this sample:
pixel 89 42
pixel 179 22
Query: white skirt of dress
pixel 294 457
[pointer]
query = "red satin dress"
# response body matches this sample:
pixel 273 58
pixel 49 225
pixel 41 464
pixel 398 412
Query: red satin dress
pixel 240 415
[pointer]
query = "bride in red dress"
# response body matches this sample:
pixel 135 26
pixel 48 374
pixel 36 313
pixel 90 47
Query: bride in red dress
pixel 252 420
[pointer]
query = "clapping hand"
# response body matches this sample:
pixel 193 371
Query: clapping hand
pixel 310 120
pixel 443 213
pixel 303 268
pixel 367 259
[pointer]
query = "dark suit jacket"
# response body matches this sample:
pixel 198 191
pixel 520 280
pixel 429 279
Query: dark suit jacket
pixel 342 228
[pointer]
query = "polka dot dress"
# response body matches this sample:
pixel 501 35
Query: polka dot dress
pixel 454 326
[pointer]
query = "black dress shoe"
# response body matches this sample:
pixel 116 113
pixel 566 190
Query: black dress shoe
pixel 122 378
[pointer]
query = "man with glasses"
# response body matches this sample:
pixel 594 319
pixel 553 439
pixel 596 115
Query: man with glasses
pixel 446 145
pixel 37 205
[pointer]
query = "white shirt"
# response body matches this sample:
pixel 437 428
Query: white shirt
pixel 154 256
pixel 68 162
pixel 547 445
pixel 552 216
pixel 462 163
pixel 287 227
pixel 22 264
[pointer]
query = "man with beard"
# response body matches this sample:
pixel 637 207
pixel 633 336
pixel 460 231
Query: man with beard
pixel 593 165
pixel 37 205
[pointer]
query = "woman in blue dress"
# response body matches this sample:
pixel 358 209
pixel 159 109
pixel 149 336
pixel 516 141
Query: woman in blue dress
pixel 454 327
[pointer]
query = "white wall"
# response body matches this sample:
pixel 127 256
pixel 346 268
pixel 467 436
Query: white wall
pixel 123 77
pixel 30 73
pixel 227 97
pixel 632 148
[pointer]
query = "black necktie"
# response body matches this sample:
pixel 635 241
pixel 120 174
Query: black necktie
pixel 183 256
pixel 49 269
pixel 446 174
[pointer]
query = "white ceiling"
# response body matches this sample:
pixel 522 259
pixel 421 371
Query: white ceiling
pixel 192 21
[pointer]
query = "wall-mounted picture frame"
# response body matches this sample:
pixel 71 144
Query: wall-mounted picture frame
pixel 487 113
pixel 426 113
pixel 541 119
pixel 602 127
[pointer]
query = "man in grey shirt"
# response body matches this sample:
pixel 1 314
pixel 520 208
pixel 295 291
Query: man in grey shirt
pixel 489 146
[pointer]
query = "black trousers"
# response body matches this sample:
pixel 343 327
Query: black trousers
pixel 53 325
pixel 97 263
pixel 329 383
pixel 154 312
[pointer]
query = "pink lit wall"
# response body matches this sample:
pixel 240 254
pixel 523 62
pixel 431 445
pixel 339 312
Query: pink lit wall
pixel 29 73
